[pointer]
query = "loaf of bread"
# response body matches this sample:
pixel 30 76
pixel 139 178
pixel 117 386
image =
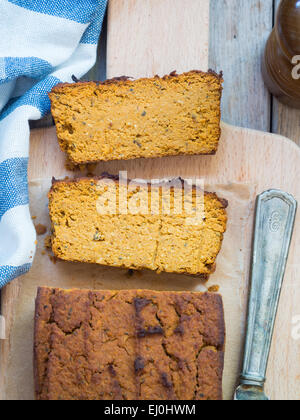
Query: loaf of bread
pixel 128 345
pixel 124 119
pixel 135 225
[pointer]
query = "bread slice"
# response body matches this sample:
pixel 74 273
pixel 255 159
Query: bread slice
pixel 128 345
pixel 145 118
pixel 136 225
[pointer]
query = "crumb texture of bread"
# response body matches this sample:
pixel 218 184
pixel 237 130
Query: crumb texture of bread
pixel 123 119
pixel 89 225
pixel 128 345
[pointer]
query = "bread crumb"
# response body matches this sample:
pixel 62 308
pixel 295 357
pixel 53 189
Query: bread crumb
pixel 214 289
pixel 40 229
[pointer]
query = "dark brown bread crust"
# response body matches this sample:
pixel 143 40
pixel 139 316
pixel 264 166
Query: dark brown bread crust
pixel 130 345
pixel 116 178
pixel 124 79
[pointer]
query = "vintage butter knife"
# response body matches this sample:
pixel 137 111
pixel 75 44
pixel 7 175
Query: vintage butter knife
pixel 275 218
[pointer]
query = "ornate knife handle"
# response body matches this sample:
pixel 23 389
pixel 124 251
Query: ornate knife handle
pixel 275 218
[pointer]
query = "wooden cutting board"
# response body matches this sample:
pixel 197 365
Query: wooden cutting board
pixel 156 37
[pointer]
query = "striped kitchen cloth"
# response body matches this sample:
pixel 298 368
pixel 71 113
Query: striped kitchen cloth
pixel 42 43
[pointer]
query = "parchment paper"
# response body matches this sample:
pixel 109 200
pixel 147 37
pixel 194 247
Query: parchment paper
pixel 231 275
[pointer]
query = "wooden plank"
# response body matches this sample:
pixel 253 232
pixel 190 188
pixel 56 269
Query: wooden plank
pixel 286 121
pixel 2 328
pixel 238 32
pixel 9 296
pixel 153 37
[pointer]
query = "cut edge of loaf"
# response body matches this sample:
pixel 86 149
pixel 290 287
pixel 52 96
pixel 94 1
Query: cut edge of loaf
pixel 124 80
pixel 224 204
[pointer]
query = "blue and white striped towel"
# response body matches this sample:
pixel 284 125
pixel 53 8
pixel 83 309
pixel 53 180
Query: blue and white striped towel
pixel 42 42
